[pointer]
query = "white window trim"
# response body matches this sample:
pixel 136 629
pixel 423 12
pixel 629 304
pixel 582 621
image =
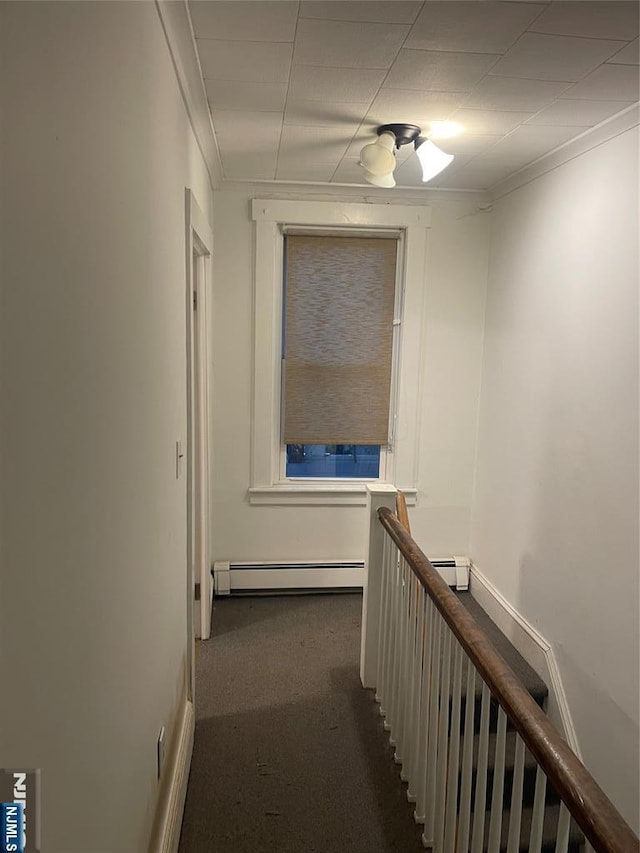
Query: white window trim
pixel 270 216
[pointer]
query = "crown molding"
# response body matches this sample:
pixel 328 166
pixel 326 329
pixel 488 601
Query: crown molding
pixel 592 138
pixel 178 31
pixel 349 192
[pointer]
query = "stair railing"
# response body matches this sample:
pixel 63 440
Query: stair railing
pixel 442 687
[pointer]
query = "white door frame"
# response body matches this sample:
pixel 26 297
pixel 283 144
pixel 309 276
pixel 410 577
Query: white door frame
pixel 199 247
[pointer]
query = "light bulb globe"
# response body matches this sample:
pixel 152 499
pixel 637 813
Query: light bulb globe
pixel 377 159
pixel 432 159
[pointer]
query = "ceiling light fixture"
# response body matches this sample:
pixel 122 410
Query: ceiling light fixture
pixel 432 159
pixel 379 161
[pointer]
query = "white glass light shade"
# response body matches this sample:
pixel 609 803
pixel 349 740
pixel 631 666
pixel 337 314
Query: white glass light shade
pixel 378 157
pixel 387 181
pixel 432 159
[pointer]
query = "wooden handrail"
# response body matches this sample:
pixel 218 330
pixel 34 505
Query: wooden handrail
pixel 402 512
pixel 595 814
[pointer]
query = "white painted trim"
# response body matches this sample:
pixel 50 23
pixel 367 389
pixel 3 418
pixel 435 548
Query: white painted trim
pixel 592 138
pixel 178 31
pixel 338 494
pixel 201 318
pixel 462 568
pixel 170 809
pixel 319 213
pixel 269 215
pixel 221 577
pixel 343 192
pixel 533 647
pixel 198 240
pixel 199 223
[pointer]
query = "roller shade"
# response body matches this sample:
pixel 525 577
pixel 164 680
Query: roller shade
pixel 339 303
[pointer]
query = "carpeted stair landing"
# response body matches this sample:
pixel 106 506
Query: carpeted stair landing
pixel 290 754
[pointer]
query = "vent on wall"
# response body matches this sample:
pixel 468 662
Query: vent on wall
pixel 232 578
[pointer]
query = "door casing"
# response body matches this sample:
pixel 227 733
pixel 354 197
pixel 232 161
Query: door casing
pixel 199 248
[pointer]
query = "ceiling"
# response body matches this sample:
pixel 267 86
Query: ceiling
pixel 296 89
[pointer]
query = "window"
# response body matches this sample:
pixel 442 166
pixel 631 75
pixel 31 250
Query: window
pixel 273 218
pixel 338 341
pixel 333 461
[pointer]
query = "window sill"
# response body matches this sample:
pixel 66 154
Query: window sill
pixel 316 494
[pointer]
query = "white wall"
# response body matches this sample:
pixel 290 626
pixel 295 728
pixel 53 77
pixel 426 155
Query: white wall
pixel 555 524
pixel 454 307
pixel 96 155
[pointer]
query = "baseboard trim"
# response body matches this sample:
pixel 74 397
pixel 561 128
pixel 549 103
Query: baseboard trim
pixel 174 791
pixel 533 647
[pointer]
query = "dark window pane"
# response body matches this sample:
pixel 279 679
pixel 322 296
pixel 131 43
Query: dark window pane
pixel 359 461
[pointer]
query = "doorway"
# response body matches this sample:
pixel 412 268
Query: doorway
pixel 199 240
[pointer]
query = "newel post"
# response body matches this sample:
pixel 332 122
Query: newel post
pixel 378 495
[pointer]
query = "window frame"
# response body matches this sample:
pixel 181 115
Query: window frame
pixel 272 217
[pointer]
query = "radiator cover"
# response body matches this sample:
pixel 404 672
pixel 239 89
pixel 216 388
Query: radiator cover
pixel 238 577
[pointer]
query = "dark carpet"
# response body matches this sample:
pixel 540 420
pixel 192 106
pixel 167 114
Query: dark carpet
pixel 290 754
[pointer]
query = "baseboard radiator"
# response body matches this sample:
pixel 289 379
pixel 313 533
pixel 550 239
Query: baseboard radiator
pixel 243 578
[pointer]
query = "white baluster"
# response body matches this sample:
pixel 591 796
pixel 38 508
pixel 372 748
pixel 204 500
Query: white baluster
pixel 400 660
pixel 515 818
pixel 416 686
pixel 432 742
pixel 537 818
pixel 562 837
pixel 454 752
pixel 383 639
pixel 477 839
pixel 495 824
pixel 443 739
pixel 388 628
pixel 464 818
pixel 404 662
pixel 393 651
pixel 425 706
pixel 407 731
